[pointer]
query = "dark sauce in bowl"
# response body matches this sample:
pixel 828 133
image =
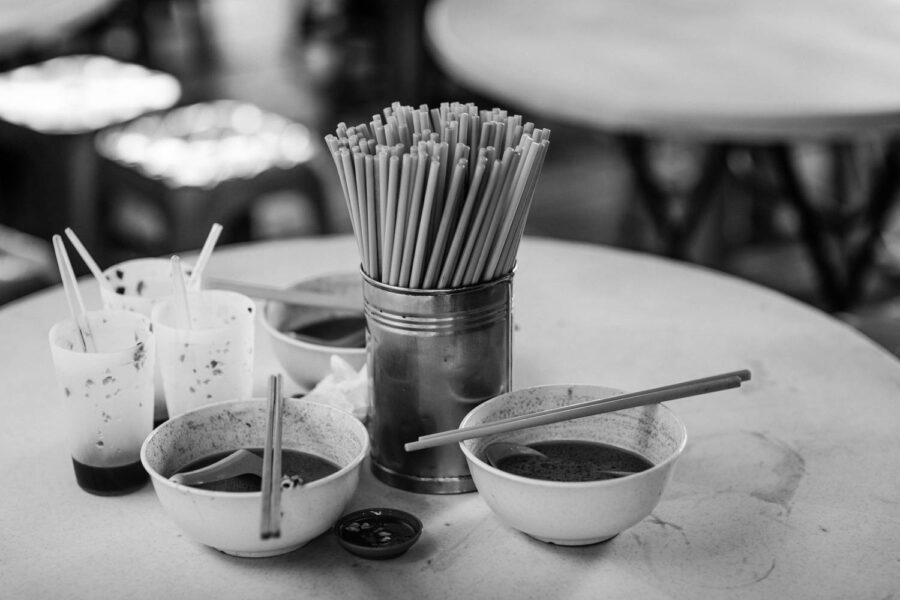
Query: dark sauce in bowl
pixel 574 461
pixel 299 466
pixel 336 329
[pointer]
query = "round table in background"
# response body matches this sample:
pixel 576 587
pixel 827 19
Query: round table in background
pixel 755 77
pixel 25 24
pixel 788 487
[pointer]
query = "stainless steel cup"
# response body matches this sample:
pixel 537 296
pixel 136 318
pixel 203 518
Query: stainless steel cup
pixel 433 355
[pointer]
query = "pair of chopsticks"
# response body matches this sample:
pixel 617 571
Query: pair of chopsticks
pixel 270 522
pixel 694 387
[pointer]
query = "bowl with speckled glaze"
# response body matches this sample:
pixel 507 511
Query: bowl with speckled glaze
pixel 575 513
pixel 230 521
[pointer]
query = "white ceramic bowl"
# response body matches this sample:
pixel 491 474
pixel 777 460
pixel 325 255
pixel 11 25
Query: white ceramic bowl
pixel 575 513
pixel 230 521
pixel 306 362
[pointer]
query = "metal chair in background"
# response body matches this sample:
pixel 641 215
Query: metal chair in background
pixel 168 176
pixel 49 114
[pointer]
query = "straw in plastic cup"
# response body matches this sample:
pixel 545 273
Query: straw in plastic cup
pixel 107 398
pixel 212 361
pixel 138 285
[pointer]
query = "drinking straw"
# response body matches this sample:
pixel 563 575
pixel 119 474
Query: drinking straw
pixel 511 161
pixel 205 253
pixel 684 389
pixel 73 296
pixel 447 228
pixel 449 216
pixel 475 232
pixel 356 184
pixel 459 234
pixel 412 219
pixel 512 249
pixel 372 212
pixel 89 261
pixel 385 211
pixel 442 151
pixel 353 205
pixel 422 237
pixel 392 184
pixel 182 307
pixel 531 151
pixel 395 258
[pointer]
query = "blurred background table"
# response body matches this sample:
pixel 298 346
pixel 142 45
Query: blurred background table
pixel 787 489
pixel 29 24
pixel 751 82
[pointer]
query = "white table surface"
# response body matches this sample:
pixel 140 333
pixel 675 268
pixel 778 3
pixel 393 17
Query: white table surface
pixel 742 68
pixel 789 487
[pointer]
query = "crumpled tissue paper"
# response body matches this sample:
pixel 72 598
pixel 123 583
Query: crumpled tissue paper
pixel 344 388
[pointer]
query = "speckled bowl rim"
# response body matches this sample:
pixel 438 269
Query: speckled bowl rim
pixel 544 483
pixel 275 333
pixel 157 476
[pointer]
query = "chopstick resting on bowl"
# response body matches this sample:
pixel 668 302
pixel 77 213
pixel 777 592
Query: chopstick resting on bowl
pixel 694 387
pixel 270 522
pixel 288 296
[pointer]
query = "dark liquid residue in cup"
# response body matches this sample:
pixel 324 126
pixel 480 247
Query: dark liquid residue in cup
pixel 110 481
pixel 574 461
pixel 334 329
pixel 294 463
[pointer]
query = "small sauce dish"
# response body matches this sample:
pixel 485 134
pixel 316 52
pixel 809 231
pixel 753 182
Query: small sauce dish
pixel 378 533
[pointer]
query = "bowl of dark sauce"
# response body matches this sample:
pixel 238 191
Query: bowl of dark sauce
pixel 305 338
pixel 378 533
pixel 323 449
pixel 568 497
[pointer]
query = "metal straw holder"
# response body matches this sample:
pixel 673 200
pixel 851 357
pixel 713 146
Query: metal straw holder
pixel 433 355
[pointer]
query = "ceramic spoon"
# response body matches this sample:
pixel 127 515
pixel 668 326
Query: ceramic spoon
pixel 497 452
pixel 239 462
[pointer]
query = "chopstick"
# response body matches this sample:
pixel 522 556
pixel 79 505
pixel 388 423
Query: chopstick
pixel 694 387
pixel 73 296
pixel 270 522
pixel 288 296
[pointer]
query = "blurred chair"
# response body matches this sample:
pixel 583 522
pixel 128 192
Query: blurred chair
pixel 49 114
pixel 26 264
pixel 170 175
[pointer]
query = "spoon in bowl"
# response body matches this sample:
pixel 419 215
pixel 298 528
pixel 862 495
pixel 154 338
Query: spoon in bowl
pixel 239 462
pixel 498 452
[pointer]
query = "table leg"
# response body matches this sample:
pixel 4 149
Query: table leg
pixel 840 237
pixel 675 224
pixel 841 243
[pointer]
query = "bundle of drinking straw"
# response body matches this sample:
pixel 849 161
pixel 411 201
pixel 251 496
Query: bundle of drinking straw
pixel 438 198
